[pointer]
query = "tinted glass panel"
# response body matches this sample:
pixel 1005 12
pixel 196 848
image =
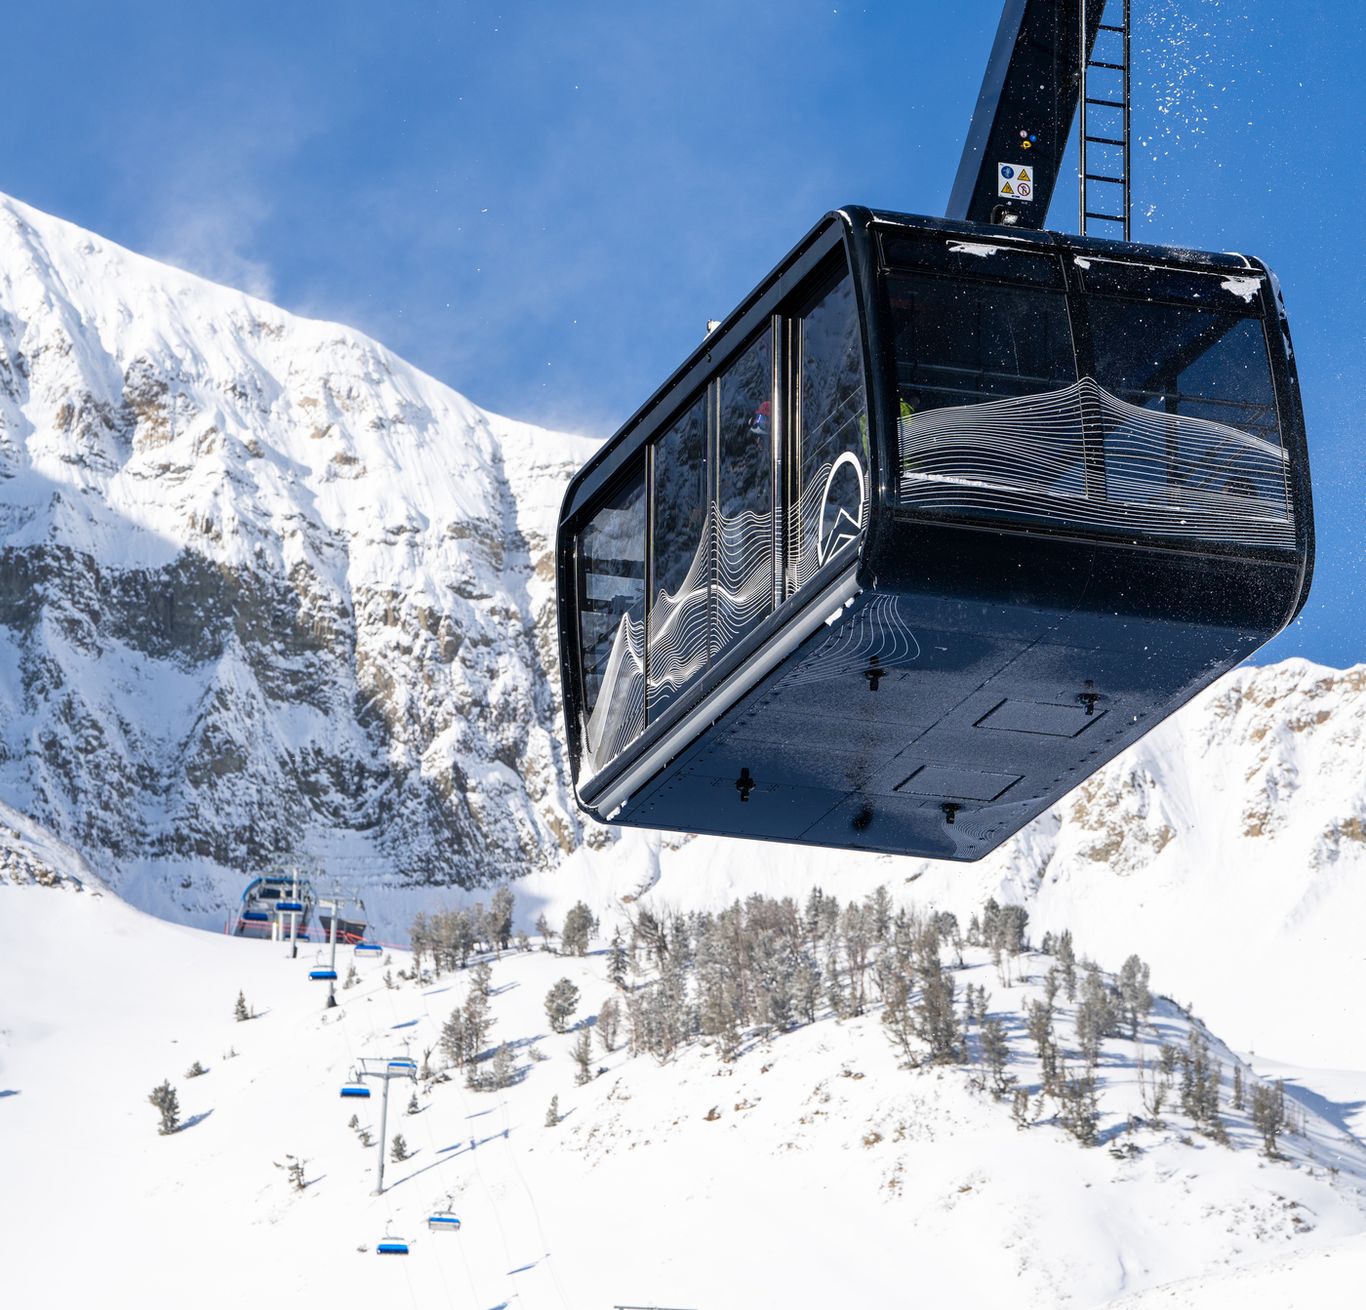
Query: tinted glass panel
pixel 1181 359
pixel 743 588
pixel 959 342
pixel 966 353
pixel 611 582
pixel 681 560
pixel 1213 467
pixel 832 436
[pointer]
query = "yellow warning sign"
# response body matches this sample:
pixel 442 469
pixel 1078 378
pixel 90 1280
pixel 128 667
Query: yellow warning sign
pixel 1024 175
pixel 1007 189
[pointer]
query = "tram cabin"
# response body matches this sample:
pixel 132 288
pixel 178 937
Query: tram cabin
pixel 938 521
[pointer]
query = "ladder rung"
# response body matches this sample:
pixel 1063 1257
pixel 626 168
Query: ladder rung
pixel 1104 141
pixel 1098 63
pixel 1109 104
pixel 1108 27
pixel 1109 218
pixel 1104 177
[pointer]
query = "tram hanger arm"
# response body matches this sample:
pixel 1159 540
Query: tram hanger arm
pixel 1031 86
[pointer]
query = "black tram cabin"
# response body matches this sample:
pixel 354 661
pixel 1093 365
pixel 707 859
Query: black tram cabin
pixel 938 521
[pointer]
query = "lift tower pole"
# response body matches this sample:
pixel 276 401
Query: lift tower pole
pixel 387 1070
pixel 1024 112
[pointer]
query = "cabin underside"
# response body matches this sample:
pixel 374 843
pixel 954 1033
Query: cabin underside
pixel 981 678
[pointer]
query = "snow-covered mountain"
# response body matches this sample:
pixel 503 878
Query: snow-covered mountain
pixel 265 588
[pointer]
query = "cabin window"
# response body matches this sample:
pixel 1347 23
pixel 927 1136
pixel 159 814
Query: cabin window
pixel 611 587
pixel 830 498
pixel 1187 411
pixel 742 589
pixel 680 537
pixel 988 411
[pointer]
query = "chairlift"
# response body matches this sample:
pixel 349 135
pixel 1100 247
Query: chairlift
pixel 357 1091
pixel 290 907
pixel 391 1246
pixel 322 975
pixel 255 916
pixel 443 1223
pixel 368 948
pixel 403 1066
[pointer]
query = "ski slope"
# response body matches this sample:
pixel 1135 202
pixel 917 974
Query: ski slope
pixel 809 1172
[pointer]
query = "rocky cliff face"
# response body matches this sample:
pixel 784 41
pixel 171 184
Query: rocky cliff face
pixel 264 588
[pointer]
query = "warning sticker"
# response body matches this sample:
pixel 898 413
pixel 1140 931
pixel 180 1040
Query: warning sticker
pixel 1015 181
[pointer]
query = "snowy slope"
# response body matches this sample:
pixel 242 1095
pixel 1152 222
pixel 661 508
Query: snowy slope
pixel 811 1171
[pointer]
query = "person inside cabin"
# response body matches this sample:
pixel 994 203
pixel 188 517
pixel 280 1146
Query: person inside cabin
pixel 760 424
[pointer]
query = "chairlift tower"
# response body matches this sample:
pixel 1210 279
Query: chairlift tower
pixel 386 1071
pixel 335 903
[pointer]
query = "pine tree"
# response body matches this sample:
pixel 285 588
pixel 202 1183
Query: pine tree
pixel 1237 1086
pixel 167 1102
pixel 502 911
pixel 365 1138
pixel 616 961
pixel 354 1123
pixel 560 1002
pixel 806 986
pixel 1135 997
pixel 578 926
pixel 1094 1016
pixel 398 1149
pixel 453 1043
pixel 240 1011
pixel 477 1015
pixel 1079 1111
pixel 1268 1114
pixel 609 1023
pixel 503 1068
pixel 195 1070
pixel 933 1014
pixel 352 977
pixel 582 1053
pixel 1068 960
pixel 544 931
pixel 552 1115
pixel 413 1106
pixel 996 1055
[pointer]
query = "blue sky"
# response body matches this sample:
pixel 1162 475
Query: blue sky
pixel 542 202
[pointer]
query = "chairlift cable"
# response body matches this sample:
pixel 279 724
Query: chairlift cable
pixel 488 1193
pixel 483 1182
pixel 531 1198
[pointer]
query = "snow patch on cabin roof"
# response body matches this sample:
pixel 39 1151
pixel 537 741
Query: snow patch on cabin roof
pixel 1245 288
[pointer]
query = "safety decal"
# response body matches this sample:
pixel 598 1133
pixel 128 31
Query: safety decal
pixel 1015 181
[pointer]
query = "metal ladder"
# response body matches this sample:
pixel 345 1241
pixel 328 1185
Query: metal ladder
pixel 1104 132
